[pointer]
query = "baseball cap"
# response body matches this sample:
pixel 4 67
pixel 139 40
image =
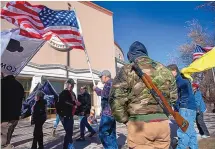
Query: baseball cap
pixel 105 73
pixel 70 81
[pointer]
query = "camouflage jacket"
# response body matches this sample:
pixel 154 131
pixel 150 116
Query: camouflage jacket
pixel 129 96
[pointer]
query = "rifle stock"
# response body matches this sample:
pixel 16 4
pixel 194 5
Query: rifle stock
pixel 182 123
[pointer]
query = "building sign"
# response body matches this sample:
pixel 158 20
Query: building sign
pixel 56 43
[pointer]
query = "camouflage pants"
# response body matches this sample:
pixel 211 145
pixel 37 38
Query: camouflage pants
pixel 152 135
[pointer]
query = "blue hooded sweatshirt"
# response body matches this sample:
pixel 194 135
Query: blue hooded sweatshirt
pixel 186 98
pixel 137 49
pixel 201 107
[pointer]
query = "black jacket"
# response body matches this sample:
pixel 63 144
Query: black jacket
pixel 85 100
pixel 65 103
pixel 12 95
pixel 39 111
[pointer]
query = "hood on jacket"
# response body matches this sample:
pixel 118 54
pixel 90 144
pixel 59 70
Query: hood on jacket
pixel 137 49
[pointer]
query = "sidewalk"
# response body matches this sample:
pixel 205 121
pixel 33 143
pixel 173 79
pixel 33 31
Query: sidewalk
pixel 22 136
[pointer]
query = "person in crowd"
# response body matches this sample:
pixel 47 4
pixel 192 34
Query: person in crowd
pixel 39 115
pixel 84 110
pixel 186 106
pixel 107 128
pixel 12 95
pixel 201 108
pixel 56 122
pixel 65 108
pixel 132 103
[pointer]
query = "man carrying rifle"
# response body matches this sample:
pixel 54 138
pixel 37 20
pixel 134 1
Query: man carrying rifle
pixel 133 104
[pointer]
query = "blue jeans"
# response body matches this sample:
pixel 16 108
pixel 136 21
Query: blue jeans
pixel 68 123
pixel 107 132
pixel 203 130
pixel 56 121
pixel 84 123
pixel 188 138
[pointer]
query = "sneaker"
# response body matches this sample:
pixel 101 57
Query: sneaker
pixel 205 136
pixel 81 139
pixel 92 134
pixel 53 132
pixel 71 146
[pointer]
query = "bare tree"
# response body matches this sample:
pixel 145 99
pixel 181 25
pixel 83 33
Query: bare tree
pixel 197 36
pixel 208 5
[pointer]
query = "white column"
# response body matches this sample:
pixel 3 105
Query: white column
pixel 35 81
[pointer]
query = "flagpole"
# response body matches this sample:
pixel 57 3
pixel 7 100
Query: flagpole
pixel 85 51
pixel 68 53
pixel 213 74
pixel 88 61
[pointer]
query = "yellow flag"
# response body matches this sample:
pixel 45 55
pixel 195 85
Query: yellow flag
pixel 207 61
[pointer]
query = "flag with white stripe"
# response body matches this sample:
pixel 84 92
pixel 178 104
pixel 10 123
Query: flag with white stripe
pixel 40 22
pixel 198 52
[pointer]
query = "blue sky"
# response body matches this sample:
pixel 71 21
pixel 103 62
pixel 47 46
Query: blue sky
pixel 160 26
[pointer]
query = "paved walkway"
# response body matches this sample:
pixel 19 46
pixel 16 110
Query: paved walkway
pixel 22 136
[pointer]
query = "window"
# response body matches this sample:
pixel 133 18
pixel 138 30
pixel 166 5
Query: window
pixel 26 83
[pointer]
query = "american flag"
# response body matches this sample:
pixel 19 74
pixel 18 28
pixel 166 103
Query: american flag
pixel 40 22
pixel 198 52
pixel 207 48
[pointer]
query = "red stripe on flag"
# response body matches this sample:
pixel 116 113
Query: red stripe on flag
pixel 34 6
pixel 198 54
pixel 66 32
pixel 29 34
pixel 207 48
pixel 12 14
pixel 77 47
pixel 72 40
pixel 23 8
pixel 34 24
pixel 30 25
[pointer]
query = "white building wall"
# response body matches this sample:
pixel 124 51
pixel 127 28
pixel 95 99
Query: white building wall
pixel 60 74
